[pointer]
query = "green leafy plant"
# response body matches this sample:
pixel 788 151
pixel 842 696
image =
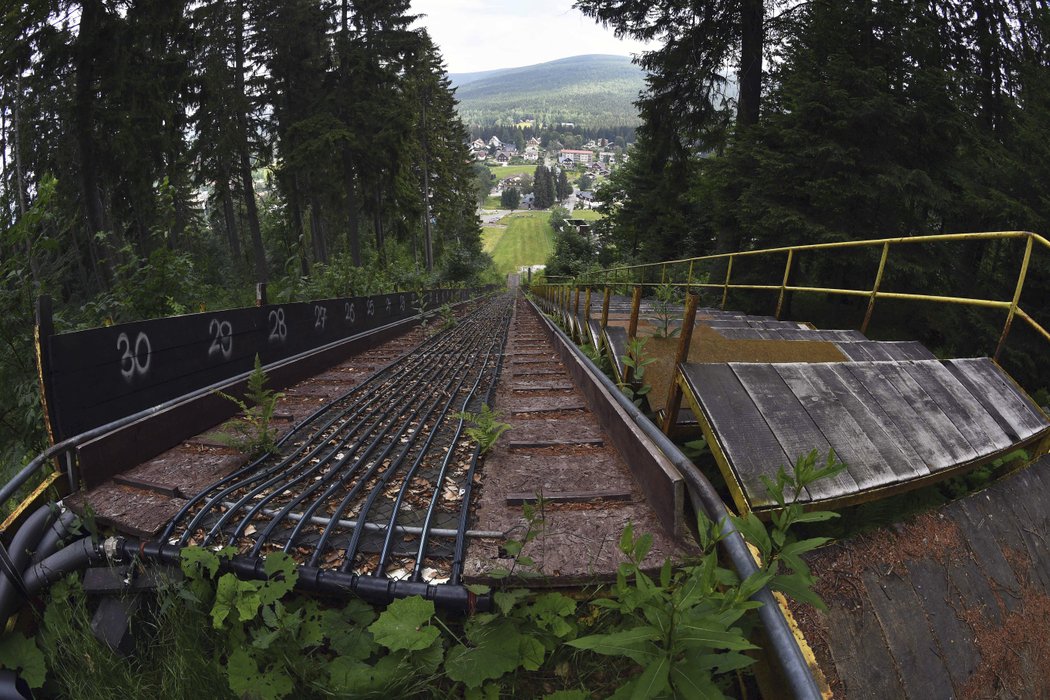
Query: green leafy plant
pixel 687 628
pixel 420 308
pixel 252 432
pixel 535 521
pixel 486 426
pixel 664 311
pixel 635 362
pixel 448 318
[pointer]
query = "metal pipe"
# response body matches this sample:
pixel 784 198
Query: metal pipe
pixel 705 497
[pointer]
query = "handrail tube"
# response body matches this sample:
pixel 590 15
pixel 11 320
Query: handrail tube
pixel 705 497
pixel 900 240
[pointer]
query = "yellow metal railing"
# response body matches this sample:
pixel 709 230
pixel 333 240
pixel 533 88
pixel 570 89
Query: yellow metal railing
pixel 628 273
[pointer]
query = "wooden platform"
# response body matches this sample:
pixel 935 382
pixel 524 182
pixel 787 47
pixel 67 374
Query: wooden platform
pixel 896 424
pixel 952 603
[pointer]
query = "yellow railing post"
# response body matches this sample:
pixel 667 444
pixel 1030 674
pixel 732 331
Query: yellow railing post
pixel 689 277
pixel 663 274
pixel 725 287
pixel 783 285
pixel 587 311
pixel 875 288
pixel 1017 297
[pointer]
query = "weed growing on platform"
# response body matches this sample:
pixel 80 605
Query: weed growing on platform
pixel 636 361
pixel 664 311
pixel 448 319
pixel 487 426
pixel 252 432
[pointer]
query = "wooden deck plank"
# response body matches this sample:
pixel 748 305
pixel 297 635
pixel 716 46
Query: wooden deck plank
pixel 909 422
pixel 1016 415
pixel 870 466
pixel 983 531
pixel 1033 522
pixel 966 412
pixel 876 423
pixel 747 441
pixel 897 608
pixel 791 424
pixel 952 635
pixel 866 669
pixel 956 445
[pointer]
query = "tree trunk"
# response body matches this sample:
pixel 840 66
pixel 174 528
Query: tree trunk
pixel 377 219
pixel 353 220
pixel 317 228
pixel 297 225
pixel 222 186
pixel 751 40
pixel 247 186
pixel 83 115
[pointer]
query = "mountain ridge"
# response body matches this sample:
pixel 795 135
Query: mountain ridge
pixel 591 89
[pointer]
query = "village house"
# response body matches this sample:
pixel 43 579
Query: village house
pixel 572 155
pixel 495 142
pixel 532 153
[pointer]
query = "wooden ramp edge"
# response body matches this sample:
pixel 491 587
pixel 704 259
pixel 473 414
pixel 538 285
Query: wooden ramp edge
pixel 951 603
pixel 897 425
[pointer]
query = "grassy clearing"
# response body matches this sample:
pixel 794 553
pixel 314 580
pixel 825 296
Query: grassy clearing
pixel 505 171
pixel 585 214
pixel 522 239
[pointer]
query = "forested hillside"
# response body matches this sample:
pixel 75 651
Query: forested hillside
pixel 163 157
pixel 876 119
pixel 591 91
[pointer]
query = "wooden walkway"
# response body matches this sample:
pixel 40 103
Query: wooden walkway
pixel 765 392
pixel 896 424
pixel 952 603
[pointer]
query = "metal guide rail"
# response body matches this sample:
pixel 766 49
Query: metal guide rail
pixel 375 485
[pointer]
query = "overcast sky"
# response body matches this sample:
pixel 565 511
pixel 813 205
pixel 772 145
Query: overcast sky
pixel 477 35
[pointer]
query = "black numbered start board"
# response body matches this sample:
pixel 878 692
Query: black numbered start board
pixel 96 376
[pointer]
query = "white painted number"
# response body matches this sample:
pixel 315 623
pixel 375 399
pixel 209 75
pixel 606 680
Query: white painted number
pixel 402 303
pixel 320 317
pixel 134 360
pixel 351 313
pixel 278 328
pixel 388 306
pixel 371 308
pixel 221 338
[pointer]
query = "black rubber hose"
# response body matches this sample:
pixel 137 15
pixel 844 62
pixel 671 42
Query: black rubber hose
pixel 13 687
pixel 53 537
pixel 70 558
pixel 20 551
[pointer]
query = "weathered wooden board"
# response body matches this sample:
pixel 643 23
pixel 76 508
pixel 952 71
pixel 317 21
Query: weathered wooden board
pixel 966 412
pixel 920 436
pixel 792 426
pixel 862 350
pixel 869 416
pixel 865 459
pixel 950 634
pixel 908 637
pixel 891 422
pixel 1014 412
pixel 858 647
pixel 749 445
pixel 953 442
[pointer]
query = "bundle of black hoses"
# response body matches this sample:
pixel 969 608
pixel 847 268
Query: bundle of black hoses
pixel 33 561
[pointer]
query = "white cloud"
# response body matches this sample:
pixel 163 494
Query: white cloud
pixel 476 35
